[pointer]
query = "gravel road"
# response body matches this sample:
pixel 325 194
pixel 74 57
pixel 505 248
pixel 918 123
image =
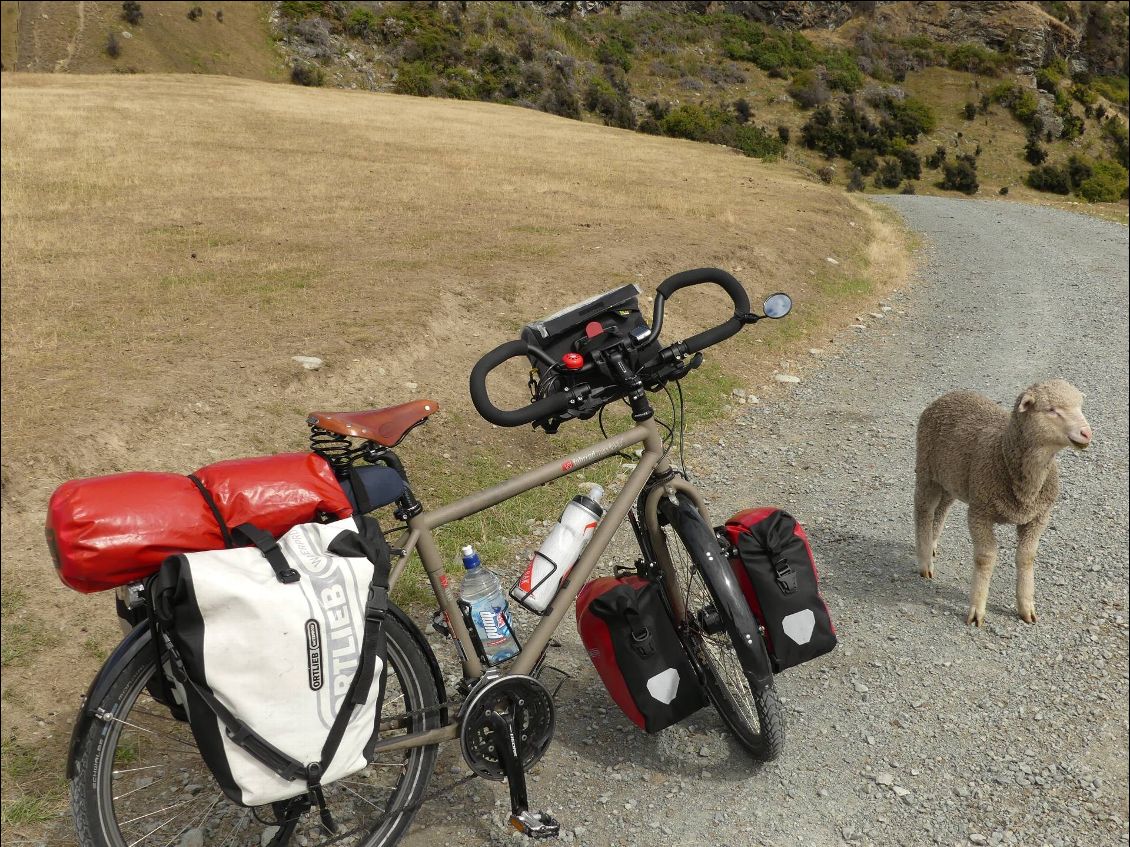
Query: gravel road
pixel 918 729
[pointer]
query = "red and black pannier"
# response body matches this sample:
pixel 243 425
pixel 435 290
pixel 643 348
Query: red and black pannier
pixel 629 636
pixel 113 530
pixel 773 563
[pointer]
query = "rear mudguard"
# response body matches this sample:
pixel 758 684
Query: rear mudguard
pixel 697 534
pixel 141 638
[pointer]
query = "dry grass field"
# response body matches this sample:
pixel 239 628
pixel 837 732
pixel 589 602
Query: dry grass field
pixel 170 242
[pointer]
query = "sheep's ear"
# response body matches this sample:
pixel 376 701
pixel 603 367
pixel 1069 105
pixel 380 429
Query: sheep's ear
pixel 1026 402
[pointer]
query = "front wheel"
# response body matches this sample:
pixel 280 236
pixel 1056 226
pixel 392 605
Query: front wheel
pixel 139 780
pixel 721 635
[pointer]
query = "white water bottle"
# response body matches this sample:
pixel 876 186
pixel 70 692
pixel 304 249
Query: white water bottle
pixel 482 591
pixel 558 553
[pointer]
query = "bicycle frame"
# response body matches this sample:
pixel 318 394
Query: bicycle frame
pixel 418 538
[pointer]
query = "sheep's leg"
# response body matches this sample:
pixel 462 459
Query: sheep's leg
pixel 940 513
pixel 1028 540
pixel 927 495
pixel 984 560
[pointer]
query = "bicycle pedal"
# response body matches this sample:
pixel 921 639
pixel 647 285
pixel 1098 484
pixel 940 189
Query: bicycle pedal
pixel 535 824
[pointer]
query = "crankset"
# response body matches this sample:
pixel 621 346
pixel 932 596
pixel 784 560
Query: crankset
pixel 506 725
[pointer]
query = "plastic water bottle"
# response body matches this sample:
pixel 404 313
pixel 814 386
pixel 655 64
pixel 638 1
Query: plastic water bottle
pixel 490 611
pixel 559 552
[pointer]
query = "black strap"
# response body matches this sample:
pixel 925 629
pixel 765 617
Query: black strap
pixel 369 543
pixel 207 495
pixel 240 733
pixel 251 534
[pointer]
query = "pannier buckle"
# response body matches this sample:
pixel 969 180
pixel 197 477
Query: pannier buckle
pixel 288 576
pixel 641 642
pixel 786 579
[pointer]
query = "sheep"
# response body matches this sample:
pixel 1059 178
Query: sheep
pixel 1003 465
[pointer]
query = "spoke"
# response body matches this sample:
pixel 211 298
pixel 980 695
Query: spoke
pixel 237 827
pixel 151 814
pixel 155 829
pixel 359 797
pixel 134 770
pixel 106 716
pixel 203 817
pixel 140 788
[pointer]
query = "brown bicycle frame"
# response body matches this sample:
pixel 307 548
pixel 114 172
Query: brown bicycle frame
pixel 418 538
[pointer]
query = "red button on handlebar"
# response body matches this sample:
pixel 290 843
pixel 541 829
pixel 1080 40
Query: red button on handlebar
pixel 573 361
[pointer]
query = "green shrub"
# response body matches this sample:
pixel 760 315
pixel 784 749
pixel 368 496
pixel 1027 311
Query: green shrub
pixel 754 141
pixel 1107 183
pixel 362 23
pixel 615 50
pixel 131 12
pixel 784 133
pixel 975 59
pixel 960 175
pixel 1073 127
pixel 907 188
pixel 743 110
pixel 1050 178
pixel 935 159
pixel 889 174
pixel 808 90
pixel 296 11
pixel 1034 154
pixel 970 111
pixel 113 46
pixel 1078 170
pixel 305 73
pixel 1113 88
pixel 855 181
pixel 841 70
pixel 1021 102
pixel 827 174
pixel 613 104
pixel 195 13
pixel 865 161
pixel 693 122
pixel 907 119
pixel 909 162
pixel 416 78
pixel 1116 134
pixel 1003 190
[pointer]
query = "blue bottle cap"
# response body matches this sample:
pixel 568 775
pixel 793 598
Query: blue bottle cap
pixel 470 558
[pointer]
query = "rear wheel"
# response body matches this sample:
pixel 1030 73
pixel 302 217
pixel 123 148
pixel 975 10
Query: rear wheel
pixel 753 712
pixel 140 781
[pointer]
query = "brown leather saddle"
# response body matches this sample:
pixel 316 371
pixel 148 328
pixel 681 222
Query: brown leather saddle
pixel 386 427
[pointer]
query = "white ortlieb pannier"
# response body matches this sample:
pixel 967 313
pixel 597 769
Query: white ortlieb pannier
pixel 278 651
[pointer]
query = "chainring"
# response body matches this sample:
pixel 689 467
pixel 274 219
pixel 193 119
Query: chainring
pixel 521 696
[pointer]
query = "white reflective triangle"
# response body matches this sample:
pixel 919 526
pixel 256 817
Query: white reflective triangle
pixel 799 625
pixel 664 686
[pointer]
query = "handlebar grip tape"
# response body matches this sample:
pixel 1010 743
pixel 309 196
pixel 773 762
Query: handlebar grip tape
pixel 725 281
pixel 552 405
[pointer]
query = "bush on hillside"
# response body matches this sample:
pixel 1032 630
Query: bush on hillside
pixel 960 175
pixel 865 161
pixel 113 46
pixel 718 126
pixel 1050 178
pixel 743 110
pixel 970 111
pixel 306 73
pixel 975 59
pixel 1116 134
pixel 907 188
pixel 855 181
pixel 889 174
pixel 1034 154
pixel 1078 170
pixel 195 13
pixel 362 23
pixel 131 12
pixel 611 101
pixel 827 174
pixel 784 133
pixel 936 159
pixel 1107 183
pixel 808 90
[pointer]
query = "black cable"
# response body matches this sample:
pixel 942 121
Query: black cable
pixel 682 431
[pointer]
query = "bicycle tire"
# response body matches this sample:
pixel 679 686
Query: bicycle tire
pixel 752 712
pixel 99 781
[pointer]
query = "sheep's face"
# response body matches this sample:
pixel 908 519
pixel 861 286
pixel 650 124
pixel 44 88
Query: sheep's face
pixel 1051 413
